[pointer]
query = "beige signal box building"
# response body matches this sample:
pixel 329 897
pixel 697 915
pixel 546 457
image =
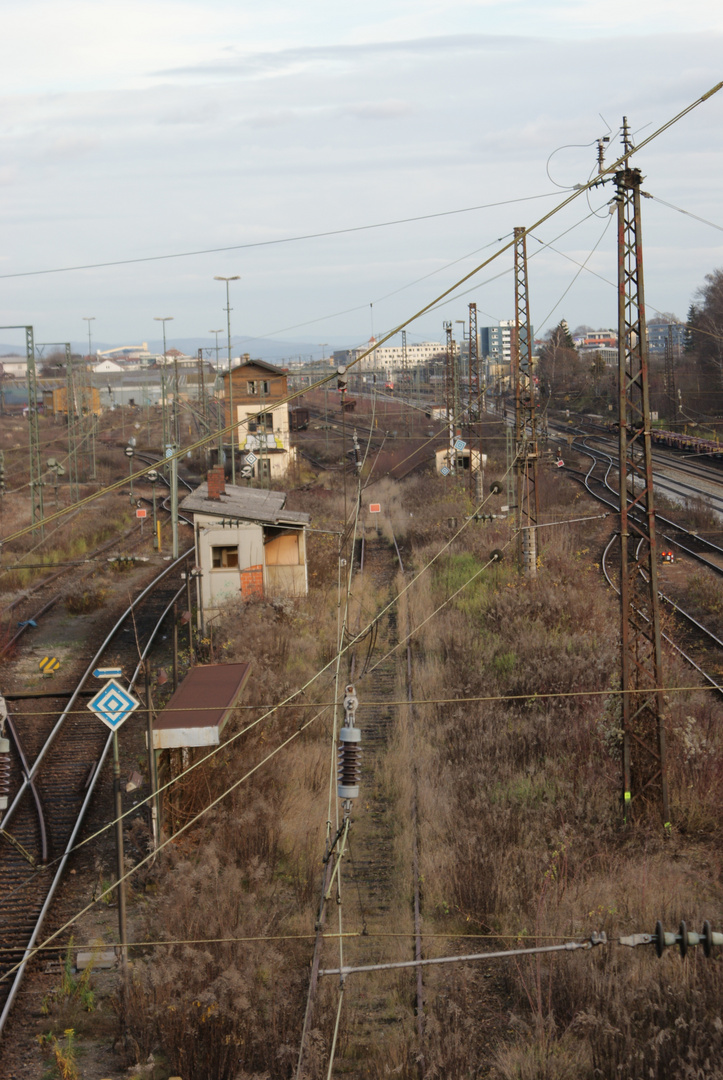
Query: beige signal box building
pixel 258 394
pixel 247 545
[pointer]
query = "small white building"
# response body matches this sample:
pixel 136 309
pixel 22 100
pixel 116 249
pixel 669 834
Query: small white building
pixel 247 545
pixel 105 367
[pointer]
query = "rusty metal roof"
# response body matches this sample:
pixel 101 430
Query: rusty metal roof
pixel 201 706
pixel 247 504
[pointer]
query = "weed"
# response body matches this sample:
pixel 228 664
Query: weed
pixel 72 990
pixel 63 1053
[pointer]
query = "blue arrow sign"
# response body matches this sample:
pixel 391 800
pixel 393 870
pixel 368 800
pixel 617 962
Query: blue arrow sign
pixel 113 705
pixel 108 673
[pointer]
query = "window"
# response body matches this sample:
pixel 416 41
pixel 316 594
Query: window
pixel 254 387
pixel 262 422
pixel 251 387
pixel 224 558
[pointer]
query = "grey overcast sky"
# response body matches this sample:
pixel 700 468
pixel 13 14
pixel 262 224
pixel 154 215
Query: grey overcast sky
pixel 148 127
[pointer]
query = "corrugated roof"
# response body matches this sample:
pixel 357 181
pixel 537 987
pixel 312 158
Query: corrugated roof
pixel 247 504
pixel 200 707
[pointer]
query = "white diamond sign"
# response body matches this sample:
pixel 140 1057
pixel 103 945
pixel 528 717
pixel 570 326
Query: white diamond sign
pixel 444 471
pixel 251 459
pixel 460 444
pixel 113 705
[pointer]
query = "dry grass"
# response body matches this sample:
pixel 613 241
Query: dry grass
pixel 542 852
pixel 520 830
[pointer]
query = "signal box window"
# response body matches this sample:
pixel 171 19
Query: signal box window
pixel 263 422
pixel 224 558
pixel 254 387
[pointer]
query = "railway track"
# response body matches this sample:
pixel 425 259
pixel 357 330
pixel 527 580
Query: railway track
pixel 56 759
pixel 691 543
pixel 377 888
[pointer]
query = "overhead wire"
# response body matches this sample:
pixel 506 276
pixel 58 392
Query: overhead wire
pixel 275 242
pixel 249 727
pixel 321 382
pixel 609 169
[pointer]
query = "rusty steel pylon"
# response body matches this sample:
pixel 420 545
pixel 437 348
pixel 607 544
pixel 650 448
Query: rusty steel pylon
pixel 644 759
pixel 450 396
pixel 474 394
pixel 525 466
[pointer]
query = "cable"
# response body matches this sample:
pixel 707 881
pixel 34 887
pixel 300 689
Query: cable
pixel 422 311
pixel 334 661
pixel 672 206
pixel 274 243
pixel 577 273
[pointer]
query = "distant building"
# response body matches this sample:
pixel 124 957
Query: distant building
pixel 87 399
pixel 14 367
pixel 390 358
pixel 496 342
pixel 127 352
pixel 247 544
pixel 659 332
pixel 597 339
pixel 259 393
pixel 107 366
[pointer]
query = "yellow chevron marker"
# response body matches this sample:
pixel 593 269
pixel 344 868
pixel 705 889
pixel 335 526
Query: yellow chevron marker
pixel 49 665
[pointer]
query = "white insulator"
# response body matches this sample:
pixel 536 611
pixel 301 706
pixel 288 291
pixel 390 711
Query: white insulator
pixel 349 773
pixel 4 773
pixel 350 701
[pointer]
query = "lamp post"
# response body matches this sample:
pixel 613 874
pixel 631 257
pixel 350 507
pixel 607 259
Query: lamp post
pixel 220 411
pixel 235 277
pixel 87 383
pixel 164 319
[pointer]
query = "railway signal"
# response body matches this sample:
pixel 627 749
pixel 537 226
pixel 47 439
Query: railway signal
pixel 113 704
pixel 108 673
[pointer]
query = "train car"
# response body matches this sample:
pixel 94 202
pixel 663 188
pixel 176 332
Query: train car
pixel 298 419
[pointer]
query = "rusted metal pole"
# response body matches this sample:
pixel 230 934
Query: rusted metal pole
pixel 120 871
pixel 643 723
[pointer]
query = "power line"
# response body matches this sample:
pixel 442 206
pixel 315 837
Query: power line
pixel 280 240
pixel 610 169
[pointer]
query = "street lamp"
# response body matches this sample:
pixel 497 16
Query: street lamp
pixel 164 319
pixel 235 277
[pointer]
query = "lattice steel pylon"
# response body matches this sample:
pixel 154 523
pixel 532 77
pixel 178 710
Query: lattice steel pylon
pixel 475 393
pixel 526 499
pixel 36 474
pixel 450 402
pixel 669 380
pixel 644 757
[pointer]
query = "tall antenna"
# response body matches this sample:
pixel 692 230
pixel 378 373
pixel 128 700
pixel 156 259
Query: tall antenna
pixel 644 754
pixel 526 499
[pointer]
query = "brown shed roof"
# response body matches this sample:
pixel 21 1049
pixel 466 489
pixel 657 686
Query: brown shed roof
pixel 200 707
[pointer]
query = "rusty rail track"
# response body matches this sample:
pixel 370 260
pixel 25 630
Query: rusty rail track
pixel 67 756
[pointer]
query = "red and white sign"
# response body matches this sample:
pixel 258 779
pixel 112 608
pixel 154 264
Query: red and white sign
pixel 141 513
pixel 559 463
pixel 375 508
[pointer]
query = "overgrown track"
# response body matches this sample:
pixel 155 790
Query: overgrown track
pixel 376 884
pixel 64 747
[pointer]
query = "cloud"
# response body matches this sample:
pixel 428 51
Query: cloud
pixel 378 110
pixel 284 61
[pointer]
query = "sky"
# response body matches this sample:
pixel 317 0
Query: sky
pixel 147 129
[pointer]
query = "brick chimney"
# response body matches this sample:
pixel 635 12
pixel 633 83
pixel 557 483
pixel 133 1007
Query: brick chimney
pixel 216 483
